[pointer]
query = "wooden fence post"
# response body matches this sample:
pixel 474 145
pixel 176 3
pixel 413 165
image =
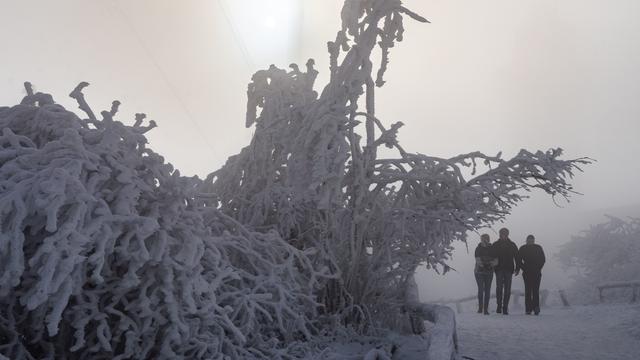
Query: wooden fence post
pixel 543 297
pixel 600 294
pixel 563 297
pixel 516 298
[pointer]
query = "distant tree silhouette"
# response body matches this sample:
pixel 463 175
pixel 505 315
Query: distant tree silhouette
pixel 606 252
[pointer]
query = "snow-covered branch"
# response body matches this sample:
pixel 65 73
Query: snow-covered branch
pixel 107 252
pixel 312 172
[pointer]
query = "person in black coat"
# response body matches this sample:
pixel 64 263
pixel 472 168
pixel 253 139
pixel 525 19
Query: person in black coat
pixel 485 261
pixel 531 258
pixel 507 252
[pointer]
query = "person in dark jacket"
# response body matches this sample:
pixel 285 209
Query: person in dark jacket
pixel 485 261
pixel 531 258
pixel 507 252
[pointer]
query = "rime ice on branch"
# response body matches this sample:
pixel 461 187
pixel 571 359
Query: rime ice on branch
pixel 312 172
pixel 107 252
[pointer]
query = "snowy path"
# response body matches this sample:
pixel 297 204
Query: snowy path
pixel 602 332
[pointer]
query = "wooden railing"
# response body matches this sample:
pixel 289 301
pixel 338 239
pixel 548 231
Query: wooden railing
pixel 633 285
pixel 516 294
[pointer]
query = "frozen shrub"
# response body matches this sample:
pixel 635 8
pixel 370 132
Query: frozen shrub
pixel 107 252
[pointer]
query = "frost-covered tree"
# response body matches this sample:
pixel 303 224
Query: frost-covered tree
pixel 107 252
pixel 606 252
pixel 313 172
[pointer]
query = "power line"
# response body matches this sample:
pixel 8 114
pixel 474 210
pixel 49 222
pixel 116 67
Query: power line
pixel 238 39
pixel 164 76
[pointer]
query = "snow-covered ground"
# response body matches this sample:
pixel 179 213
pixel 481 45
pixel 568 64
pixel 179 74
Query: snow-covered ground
pixel 598 332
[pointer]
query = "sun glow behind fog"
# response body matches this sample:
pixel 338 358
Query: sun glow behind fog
pixel 268 30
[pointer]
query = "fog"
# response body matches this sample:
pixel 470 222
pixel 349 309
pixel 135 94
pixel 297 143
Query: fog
pixel 492 76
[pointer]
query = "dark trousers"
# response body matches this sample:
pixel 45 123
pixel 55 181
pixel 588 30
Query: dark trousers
pixel 503 289
pixel 532 290
pixel 484 289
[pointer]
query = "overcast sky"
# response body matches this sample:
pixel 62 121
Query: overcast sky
pixel 495 75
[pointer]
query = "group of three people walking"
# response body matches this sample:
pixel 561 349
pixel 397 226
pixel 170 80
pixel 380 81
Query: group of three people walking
pixel 505 259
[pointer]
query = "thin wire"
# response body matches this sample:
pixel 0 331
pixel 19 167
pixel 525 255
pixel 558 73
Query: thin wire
pixel 238 39
pixel 164 76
